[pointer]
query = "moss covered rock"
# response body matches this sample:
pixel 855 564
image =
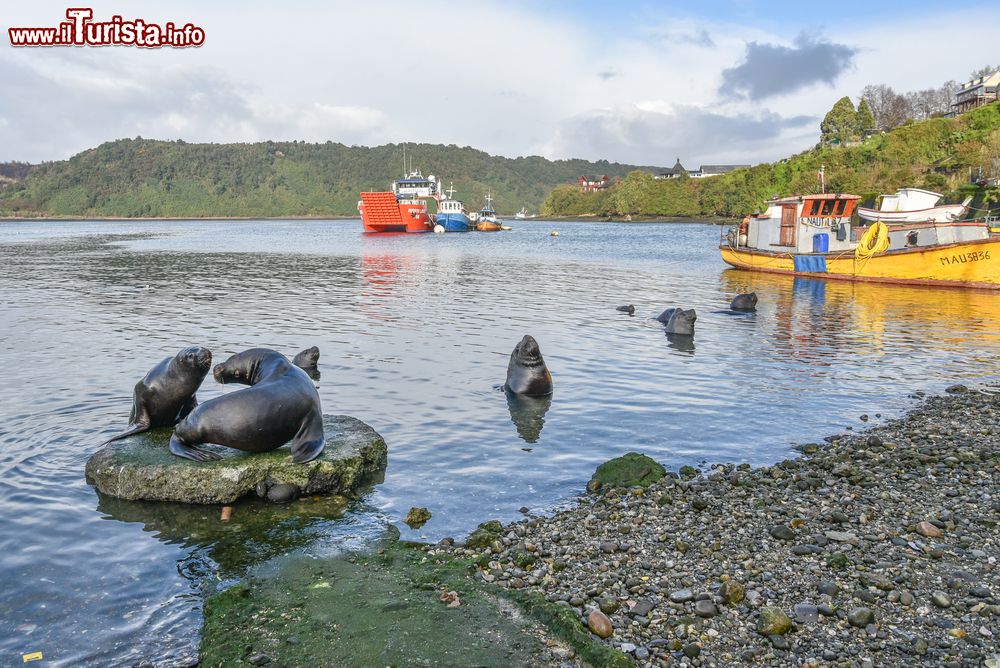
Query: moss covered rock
pixel 142 468
pixel 629 470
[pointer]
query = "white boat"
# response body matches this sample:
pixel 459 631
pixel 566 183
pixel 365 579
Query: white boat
pixel 913 205
pixel 523 214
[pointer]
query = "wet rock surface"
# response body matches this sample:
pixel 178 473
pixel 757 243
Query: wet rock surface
pixel 141 468
pixel 875 549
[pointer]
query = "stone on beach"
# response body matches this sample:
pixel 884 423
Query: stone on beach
pixel 629 470
pixel 141 467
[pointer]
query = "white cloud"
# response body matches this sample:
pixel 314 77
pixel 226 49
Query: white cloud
pixel 508 78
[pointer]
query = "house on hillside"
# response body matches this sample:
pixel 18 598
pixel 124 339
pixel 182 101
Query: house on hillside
pixel 672 172
pixel 976 93
pixel 593 184
pixel 700 173
pixel 714 170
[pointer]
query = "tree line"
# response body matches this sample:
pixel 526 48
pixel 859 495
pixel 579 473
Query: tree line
pixel 150 178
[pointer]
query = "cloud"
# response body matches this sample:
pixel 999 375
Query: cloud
pixel 609 73
pixel 772 69
pixel 655 133
pixel 681 36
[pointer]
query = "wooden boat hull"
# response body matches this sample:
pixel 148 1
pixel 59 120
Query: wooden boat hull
pixel 488 226
pixel 973 264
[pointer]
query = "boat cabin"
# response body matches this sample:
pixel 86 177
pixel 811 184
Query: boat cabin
pixel 450 206
pixel 415 185
pixel 805 224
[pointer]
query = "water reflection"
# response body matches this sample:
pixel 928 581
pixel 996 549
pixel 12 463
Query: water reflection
pixel 528 414
pixel 681 343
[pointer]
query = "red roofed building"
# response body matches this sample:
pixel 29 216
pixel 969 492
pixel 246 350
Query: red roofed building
pixel 589 185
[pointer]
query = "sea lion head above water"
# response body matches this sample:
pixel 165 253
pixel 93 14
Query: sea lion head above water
pixel 745 302
pixel 526 371
pixel 679 321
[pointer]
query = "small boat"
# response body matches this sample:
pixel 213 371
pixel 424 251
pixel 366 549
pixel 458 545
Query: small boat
pixel 451 214
pixel 523 214
pixel 913 205
pixel 488 221
pixel 815 236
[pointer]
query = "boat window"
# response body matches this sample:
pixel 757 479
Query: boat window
pixel 828 207
pixel 807 208
pixel 838 210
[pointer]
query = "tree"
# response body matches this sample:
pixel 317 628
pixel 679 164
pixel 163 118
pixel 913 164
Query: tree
pixel 889 107
pixel 865 119
pixel 983 71
pixel 840 123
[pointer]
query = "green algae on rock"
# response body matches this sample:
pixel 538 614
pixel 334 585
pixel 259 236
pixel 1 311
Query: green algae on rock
pixel 629 470
pixel 382 609
pixel 141 467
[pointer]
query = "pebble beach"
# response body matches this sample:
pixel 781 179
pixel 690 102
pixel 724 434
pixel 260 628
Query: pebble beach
pixel 874 548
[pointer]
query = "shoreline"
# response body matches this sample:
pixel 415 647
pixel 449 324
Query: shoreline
pixel 877 548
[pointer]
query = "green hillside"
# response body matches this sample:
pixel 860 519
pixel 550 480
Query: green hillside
pixel 141 177
pixel 938 154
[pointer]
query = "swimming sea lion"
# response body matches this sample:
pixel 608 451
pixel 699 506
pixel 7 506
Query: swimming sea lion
pixel 526 371
pixel 747 302
pixel 281 405
pixel 307 361
pixel 166 394
pixel 628 308
pixel 679 321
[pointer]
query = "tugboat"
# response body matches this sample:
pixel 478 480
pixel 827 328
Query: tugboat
pixel 451 215
pixel 815 236
pixel 488 221
pixel 402 208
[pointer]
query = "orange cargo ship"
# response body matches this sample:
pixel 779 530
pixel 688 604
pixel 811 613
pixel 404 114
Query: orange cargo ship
pixel 401 209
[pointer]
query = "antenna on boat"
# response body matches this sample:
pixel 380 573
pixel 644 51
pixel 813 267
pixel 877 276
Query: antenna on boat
pixel 451 190
pixel 404 161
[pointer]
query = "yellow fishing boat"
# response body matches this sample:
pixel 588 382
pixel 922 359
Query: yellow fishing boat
pixel 817 236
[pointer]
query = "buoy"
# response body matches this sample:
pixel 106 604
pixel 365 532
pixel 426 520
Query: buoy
pixel 554 233
pixel 439 229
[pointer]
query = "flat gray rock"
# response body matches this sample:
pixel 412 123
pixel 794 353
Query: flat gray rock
pixel 141 467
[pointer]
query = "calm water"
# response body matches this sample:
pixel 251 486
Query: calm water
pixel 415 333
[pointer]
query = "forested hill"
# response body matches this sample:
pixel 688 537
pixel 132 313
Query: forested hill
pixel 939 154
pixel 142 177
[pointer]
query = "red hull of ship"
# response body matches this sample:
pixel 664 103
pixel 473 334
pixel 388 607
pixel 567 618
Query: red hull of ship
pixel 381 212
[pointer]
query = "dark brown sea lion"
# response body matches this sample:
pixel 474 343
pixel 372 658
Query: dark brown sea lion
pixel 628 308
pixel 307 360
pixel 747 302
pixel 281 405
pixel 526 371
pixel 679 321
pixel 166 394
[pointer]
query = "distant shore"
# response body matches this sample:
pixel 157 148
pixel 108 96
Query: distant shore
pixel 714 220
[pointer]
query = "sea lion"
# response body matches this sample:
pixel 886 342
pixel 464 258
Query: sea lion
pixel 747 302
pixel 679 321
pixel 526 371
pixel 307 361
pixel 166 394
pixel 281 405
pixel 628 308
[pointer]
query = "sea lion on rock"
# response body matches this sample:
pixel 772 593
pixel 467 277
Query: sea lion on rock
pixel 526 371
pixel 679 321
pixel 281 405
pixel 166 394
pixel 307 360
pixel 747 302
pixel 628 308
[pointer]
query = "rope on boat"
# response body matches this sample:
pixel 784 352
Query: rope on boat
pixel 875 240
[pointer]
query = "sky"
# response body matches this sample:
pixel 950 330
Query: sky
pixel 728 82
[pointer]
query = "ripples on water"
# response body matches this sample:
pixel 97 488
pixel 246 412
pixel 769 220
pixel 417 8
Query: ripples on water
pixel 415 333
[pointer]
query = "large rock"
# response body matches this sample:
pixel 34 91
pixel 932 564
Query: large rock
pixel 142 468
pixel 629 470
